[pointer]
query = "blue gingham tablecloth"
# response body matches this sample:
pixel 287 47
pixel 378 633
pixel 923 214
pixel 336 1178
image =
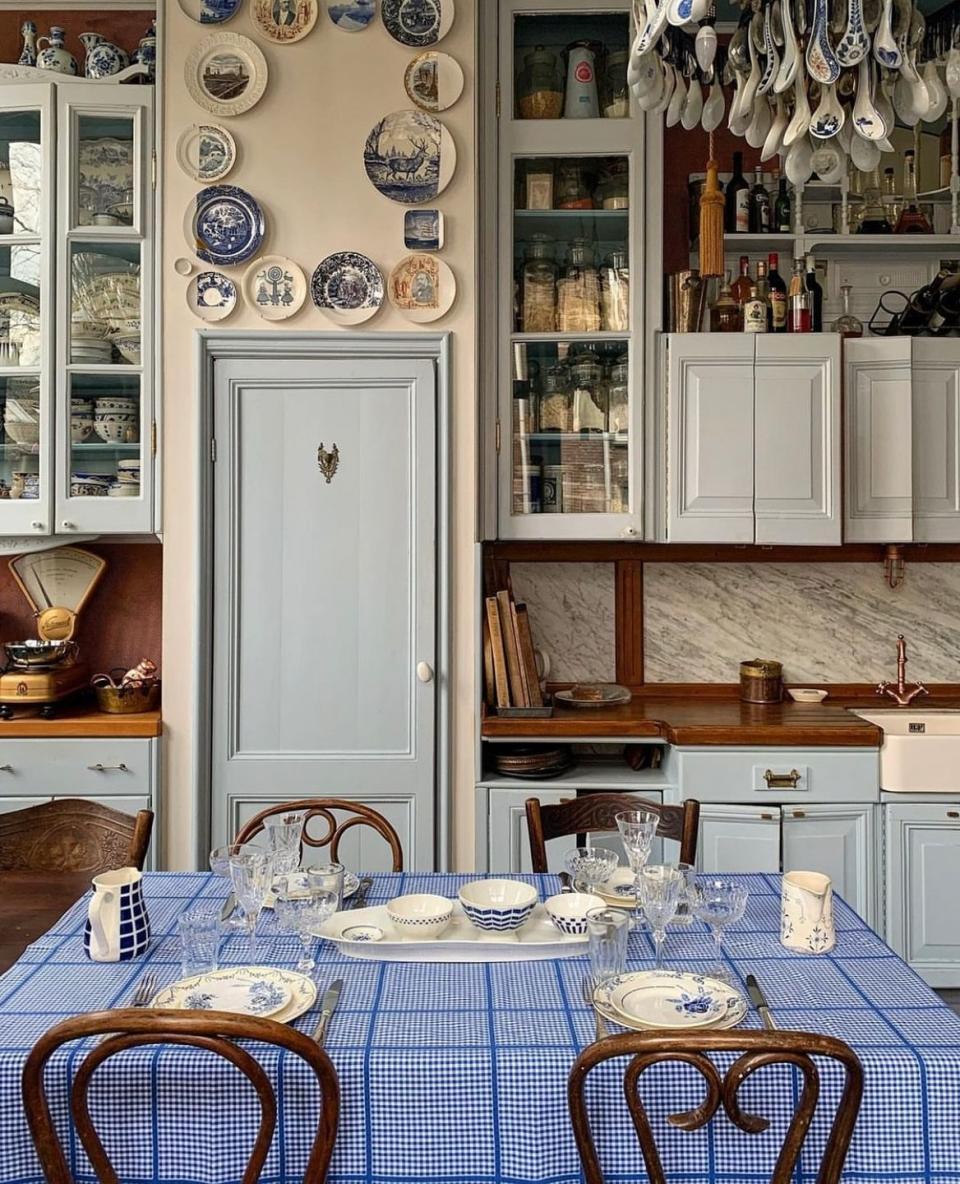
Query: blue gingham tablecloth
pixel 456 1074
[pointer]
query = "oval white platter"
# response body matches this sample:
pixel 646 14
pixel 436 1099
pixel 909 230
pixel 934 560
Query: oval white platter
pixel 417 23
pixel 226 73
pixel 284 21
pixel 536 939
pixel 206 152
pixel 275 287
pixel 422 287
pixel 433 80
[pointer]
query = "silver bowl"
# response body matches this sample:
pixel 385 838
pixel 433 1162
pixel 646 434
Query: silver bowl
pixel 40 654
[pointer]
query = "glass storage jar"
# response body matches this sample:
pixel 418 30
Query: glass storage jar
pixel 613 191
pixel 590 394
pixel 618 397
pixel 573 188
pixel 536 193
pixel 540 86
pixel 614 93
pixel 556 400
pixel 615 293
pixel 538 286
pixel 578 291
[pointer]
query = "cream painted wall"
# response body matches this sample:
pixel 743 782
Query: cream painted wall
pixel 300 155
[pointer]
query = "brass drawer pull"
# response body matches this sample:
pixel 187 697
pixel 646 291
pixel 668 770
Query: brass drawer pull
pixel 98 768
pixel 953 813
pixel 782 780
pixel 766 817
pixel 799 813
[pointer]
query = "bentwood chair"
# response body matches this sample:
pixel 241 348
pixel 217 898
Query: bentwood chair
pixel 215 1031
pixel 328 810
pixel 758 1049
pixel 598 812
pixel 73 835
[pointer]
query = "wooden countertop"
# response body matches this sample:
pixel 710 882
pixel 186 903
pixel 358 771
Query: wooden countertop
pixel 81 721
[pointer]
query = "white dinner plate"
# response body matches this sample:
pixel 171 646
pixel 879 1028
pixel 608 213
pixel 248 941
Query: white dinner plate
pixel 245 990
pixel 671 999
pixel 735 1013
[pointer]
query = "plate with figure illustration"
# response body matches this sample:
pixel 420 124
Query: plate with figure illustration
pixel 275 287
pixel 433 80
pixel 210 12
pixel 285 21
pixel 422 287
pixel 351 15
pixel 409 157
pixel 226 73
pixel 225 225
pixel 417 23
pixel 211 295
pixel 348 287
pixel 206 152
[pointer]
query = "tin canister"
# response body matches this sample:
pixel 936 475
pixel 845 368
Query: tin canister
pixel 761 681
pixel 581 101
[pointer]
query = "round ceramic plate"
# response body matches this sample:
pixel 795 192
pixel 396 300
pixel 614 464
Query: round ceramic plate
pixel 422 287
pixel 302 990
pixel 211 295
pixel 433 80
pixel 225 225
pixel 612 694
pixel 275 287
pixel 351 15
pixel 206 152
pixel 244 990
pixel 210 12
pixel 417 23
pixel 671 999
pixel 734 1014
pixel 620 888
pixel 351 882
pixel 348 287
pixel 285 21
pixel 226 73
pixel 410 157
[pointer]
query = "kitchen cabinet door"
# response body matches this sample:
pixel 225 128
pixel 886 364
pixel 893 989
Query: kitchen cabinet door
pixel 839 841
pixel 923 887
pixel 509 845
pixel 936 425
pixel 739 839
pixel 797 440
pixel 710 434
pixel 878 415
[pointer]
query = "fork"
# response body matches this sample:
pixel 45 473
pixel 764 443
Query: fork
pixel 600 1023
pixel 144 990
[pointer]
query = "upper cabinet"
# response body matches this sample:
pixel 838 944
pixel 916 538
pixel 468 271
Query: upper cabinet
pixel 76 286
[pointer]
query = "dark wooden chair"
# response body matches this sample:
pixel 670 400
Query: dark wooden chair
pixel 758 1050
pixel 598 812
pixel 73 835
pixel 327 810
pixel 214 1031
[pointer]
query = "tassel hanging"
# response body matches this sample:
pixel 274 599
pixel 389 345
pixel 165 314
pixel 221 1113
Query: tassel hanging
pixel 711 220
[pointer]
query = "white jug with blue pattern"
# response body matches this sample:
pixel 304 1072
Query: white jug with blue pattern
pixel 806 912
pixel 117 927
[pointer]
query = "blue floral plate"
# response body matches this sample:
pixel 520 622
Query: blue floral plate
pixel 671 999
pixel 245 990
pixel 225 225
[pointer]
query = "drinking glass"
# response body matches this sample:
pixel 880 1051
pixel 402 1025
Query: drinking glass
pixel 308 913
pixel 251 873
pixel 199 932
pixel 283 834
pixel 590 866
pixel 684 915
pixel 220 866
pixel 661 886
pixel 719 903
pixel 637 830
pixel 608 930
pixel 327 877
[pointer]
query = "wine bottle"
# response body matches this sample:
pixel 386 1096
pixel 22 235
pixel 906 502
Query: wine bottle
pixel 816 296
pixel 778 295
pixel 737 210
pixel 759 205
pixel 743 283
pixel 798 300
pixel 783 209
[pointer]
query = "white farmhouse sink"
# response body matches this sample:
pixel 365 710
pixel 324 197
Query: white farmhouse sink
pixel 921 750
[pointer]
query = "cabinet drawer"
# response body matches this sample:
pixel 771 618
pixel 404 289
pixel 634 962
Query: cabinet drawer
pixel 780 774
pixel 97 768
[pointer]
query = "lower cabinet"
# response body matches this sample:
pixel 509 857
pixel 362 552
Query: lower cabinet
pixel 923 887
pixel 739 839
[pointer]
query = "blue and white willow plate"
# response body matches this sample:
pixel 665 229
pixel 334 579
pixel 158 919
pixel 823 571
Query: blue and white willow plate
pixel 670 999
pixel 225 225
pixel 348 287
pixel 417 23
pixel 247 990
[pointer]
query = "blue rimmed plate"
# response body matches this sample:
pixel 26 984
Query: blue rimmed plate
pixel 417 23
pixel 225 225
pixel 670 999
pixel 348 287
pixel 210 12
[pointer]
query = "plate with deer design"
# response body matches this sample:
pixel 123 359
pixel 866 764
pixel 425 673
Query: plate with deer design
pixel 410 157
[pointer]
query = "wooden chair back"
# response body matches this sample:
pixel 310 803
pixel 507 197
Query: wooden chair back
pixel 598 812
pixel 73 835
pixel 327 809
pixel 214 1031
pixel 758 1049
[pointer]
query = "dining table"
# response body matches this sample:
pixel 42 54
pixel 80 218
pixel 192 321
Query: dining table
pixel 456 1073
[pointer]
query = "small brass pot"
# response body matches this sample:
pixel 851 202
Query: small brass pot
pixel 761 681
pixel 128 700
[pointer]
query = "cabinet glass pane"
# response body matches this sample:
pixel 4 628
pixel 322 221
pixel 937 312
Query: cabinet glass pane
pixel 20 446
pixel 105 171
pixel 106 433
pixel 570 430
pixel 105 325
pixel 21 172
pixel 20 306
pixel 570 243
pixel 571 66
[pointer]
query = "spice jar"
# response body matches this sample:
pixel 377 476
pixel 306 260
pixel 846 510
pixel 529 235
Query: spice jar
pixel 615 293
pixel 590 394
pixel 540 86
pixel 578 291
pixel 618 396
pixel 613 192
pixel 556 402
pixel 572 189
pixel 538 286
pixel 614 94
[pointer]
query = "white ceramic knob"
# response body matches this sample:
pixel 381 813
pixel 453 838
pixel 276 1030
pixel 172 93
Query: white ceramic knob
pixel 68 525
pixel 424 672
pixel 628 532
pixel 37 525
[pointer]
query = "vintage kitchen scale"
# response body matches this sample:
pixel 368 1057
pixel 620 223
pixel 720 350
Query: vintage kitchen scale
pixel 43 672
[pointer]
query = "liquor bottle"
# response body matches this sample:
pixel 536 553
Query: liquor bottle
pixel 916 316
pixel 873 217
pixel 743 283
pixel 911 220
pixel 725 312
pixel 737 211
pixel 798 300
pixel 816 296
pixel 763 291
pixel 778 295
pixel 756 312
pixel 783 209
pixel 892 204
pixel 759 205
pixel 847 325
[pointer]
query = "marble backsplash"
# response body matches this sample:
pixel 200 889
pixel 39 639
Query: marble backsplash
pixel 571 607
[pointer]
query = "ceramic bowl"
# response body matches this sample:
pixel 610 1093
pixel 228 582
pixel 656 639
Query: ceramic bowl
pixel 498 904
pixel 118 490
pixel 129 347
pixel 116 428
pixel 22 432
pixel 420 914
pixel 81 428
pixel 568 911
pixel 806 695
pixel 363 933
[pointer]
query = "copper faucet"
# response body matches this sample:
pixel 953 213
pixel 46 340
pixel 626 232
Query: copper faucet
pixel 900 693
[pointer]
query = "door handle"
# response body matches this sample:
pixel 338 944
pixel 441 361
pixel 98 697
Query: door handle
pixel 424 672
pixel 98 768
pixel 782 780
pixel 6 768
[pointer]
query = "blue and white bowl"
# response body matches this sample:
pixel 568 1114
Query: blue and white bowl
pixel 498 904
pixel 420 914
pixel 568 911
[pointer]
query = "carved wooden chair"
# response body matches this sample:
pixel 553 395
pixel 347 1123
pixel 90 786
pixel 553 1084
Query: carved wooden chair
pixel 598 812
pixel 212 1030
pixel 758 1049
pixel 73 835
pixel 327 810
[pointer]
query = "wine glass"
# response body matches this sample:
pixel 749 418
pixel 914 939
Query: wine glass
pixel 590 866
pixel 719 903
pixel 220 866
pixel 251 873
pixel 660 887
pixel 306 914
pixel 637 829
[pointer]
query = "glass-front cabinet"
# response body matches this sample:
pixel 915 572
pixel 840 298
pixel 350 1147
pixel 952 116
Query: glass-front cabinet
pixel 569 332
pixel 76 300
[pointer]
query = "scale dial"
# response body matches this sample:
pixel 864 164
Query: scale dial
pixel 57 584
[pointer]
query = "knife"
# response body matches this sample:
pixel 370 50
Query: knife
pixel 327 1007
pixel 228 906
pixel 360 896
pixel 759 1001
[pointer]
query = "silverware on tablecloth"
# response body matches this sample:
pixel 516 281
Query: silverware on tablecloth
pixel 759 1001
pixel 228 906
pixel 600 1024
pixel 566 882
pixel 360 896
pixel 327 1007
pixel 144 991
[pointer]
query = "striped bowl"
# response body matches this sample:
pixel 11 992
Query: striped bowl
pixel 498 904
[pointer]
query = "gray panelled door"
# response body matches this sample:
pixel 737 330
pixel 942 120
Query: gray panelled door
pixel 324 608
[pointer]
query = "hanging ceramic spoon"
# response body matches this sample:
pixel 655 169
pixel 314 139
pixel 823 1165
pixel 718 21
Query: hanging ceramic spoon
pixel 759 124
pixel 669 84
pixel 698 13
pixel 678 11
pixel 919 95
pixel 651 98
pixel 882 101
pixel 692 107
pixel 790 62
pixel 753 79
pixel 772 63
pixel 822 64
pixel 936 91
pixel 828 118
pixel 865 154
pixel 885 49
pixel 713 108
pixel 952 73
pixel 705 47
pixel 646 75
pixel 771 145
pixel 676 103
pixel 871 15
pixel 800 120
pixel 733 114
pixel 776 24
pixel 844 136
pixel 855 44
pixel 867 121
pixel 800 17
pixel 653 29
pixel 798 163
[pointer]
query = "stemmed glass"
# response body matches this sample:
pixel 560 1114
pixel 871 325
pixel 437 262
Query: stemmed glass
pixel 661 886
pixel 305 915
pixel 637 829
pixel 220 866
pixel 719 903
pixel 590 866
pixel 251 873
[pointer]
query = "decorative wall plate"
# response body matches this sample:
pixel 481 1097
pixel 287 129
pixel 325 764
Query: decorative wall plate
pixel 206 152
pixel 275 287
pixel 351 15
pixel 417 23
pixel 423 230
pixel 433 80
pixel 183 266
pixel 285 21
pixel 211 295
pixel 422 287
pixel 410 157
pixel 210 12
pixel 226 73
pixel 348 287
pixel 225 225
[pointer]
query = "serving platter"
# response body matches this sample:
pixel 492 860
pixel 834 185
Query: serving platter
pixel 535 940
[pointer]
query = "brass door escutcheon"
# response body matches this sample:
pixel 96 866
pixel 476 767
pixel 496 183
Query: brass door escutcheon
pixel 328 461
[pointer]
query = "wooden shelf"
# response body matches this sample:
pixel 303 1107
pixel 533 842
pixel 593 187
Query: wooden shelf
pixel 84 721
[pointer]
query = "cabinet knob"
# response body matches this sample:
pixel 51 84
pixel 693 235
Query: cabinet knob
pixel 424 672
pixel 98 768
pixel 628 532
pixel 37 525
pixel 68 525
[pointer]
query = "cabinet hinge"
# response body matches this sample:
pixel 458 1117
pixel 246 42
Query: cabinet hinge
pixel 497 91
pixel 497 435
pixel 153 169
pixel 213 449
pixel 153 437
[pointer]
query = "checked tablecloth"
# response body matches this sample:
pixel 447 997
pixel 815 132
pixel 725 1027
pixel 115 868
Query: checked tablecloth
pixel 456 1074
